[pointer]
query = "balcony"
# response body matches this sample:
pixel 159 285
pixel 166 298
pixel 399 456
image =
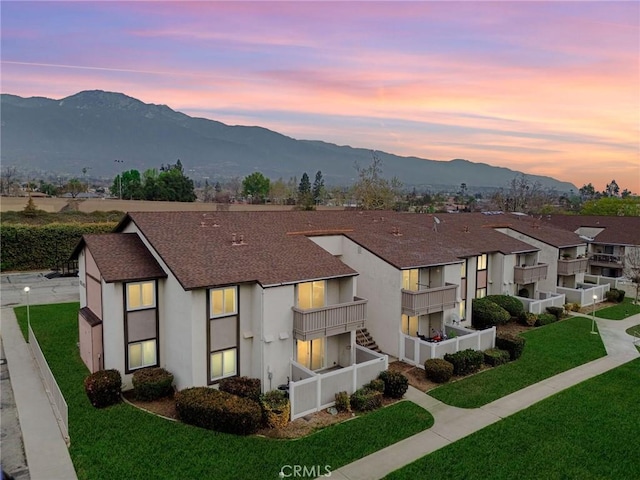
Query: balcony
pixel 530 273
pixel 329 320
pixel 606 260
pixel 427 301
pixel 572 266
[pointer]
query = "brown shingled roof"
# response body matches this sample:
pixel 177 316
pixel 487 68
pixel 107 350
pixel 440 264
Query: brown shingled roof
pixel 617 230
pixel 122 257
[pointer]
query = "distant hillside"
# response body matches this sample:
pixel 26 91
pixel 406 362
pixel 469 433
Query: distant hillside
pixel 93 128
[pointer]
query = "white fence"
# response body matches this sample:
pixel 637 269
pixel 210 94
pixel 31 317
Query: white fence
pixel 313 391
pixel 415 351
pixel 542 301
pixel 58 403
pixel 583 295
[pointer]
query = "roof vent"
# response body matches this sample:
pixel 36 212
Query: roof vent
pixel 237 239
pixel 465 229
pixel 395 231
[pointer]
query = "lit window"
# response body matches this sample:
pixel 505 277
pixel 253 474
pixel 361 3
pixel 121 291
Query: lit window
pixel 463 269
pixel 223 364
pixel 311 294
pixel 142 354
pixel 311 353
pixel 409 325
pixel 481 293
pixel 482 261
pixel 141 295
pixel 463 309
pixel 223 301
pixel 410 279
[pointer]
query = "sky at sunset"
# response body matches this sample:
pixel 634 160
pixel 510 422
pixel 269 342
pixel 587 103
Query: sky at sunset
pixel 548 88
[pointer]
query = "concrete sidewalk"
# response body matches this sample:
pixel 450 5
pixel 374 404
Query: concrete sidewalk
pixel 452 423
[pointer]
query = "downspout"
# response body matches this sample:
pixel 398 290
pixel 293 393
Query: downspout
pixel 262 334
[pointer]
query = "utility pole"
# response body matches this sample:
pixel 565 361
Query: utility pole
pixel 119 179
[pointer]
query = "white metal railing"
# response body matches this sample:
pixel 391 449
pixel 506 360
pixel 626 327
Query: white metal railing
pixel 315 391
pixel 58 403
pixel 415 351
pixel 544 299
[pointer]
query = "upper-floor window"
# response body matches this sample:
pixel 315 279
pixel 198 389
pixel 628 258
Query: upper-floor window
pixel 482 261
pixel 312 294
pixel 410 279
pixel 463 269
pixel 141 295
pixel 223 302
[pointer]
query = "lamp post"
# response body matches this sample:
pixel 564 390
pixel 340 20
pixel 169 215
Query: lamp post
pixel 27 290
pixel 120 179
pixel 593 316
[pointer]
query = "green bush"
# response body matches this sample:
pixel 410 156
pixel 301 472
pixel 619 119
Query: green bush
pixel 395 384
pixel 103 387
pixel 513 344
pixel 485 314
pixel 376 384
pixel 342 402
pixel 621 294
pixel 527 318
pixel 557 312
pixel 152 383
pixel 495 357
pixel 276 409
pixel 466 361
pixel 242 386
pixel 572 307
pixel 545 319
pixel 612 295
pixel 438 370
pixel 365 399
pixel 217 410
pixel 509 303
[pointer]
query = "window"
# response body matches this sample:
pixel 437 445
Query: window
pixel 311 294
pixel 481 293
pixel 482 261
pixel 222 340
pixel 463 309
pixel 223 302
pixel 142 354
pixel 463 269
pixel 410 279
pixel 409 325
pixel 311 353
pixel 141 295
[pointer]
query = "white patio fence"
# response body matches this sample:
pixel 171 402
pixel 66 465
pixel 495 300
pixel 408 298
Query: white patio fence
pixel 542 301
pixel 58 403
pixel 415 351
pixel 310 391
pixel 583 295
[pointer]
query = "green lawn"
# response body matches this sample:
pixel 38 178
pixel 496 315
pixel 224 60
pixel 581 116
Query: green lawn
pixel 123 442
pixel 619 311
pixel 549 350
pixel 589 431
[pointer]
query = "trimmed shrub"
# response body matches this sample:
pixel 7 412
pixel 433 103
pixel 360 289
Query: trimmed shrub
pixel 342 402
pixel 513 344
pixel 276 409
pixel 438 370
pixel 509 303
pixel 557 312
pixel 152 383
pixel 621 294
pixel 376 384
pixel 612 295
pixel 103 387
pixel 242 386
pixel 217 410
pixel 485 314
pixel 545 319
pixel 466 361
pixel 395 384
pixel 527 318
pixel 495 357
pixel 365 399
pixel 572 307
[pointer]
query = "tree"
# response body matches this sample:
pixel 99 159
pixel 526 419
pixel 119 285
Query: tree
pixel 256 186
pixel 632 268
pixel 7 180
pixel 587 192
pixel 612 189
pixel 278 191
pixel 305 196
pixel 175 186
pixel 627 207
pixel 318 188
pixel 372 191
pixel 74 187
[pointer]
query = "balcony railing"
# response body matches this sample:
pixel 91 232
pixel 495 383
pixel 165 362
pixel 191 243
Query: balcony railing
pixel 430 300
pixel 329 320
pixel 530 273
pixel 606 260
pixel 572 266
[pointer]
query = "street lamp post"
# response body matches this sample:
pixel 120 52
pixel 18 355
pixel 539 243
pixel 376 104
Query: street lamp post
pixel 593 316
pixel 27 290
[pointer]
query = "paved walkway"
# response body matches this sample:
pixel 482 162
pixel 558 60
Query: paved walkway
pixel 452 423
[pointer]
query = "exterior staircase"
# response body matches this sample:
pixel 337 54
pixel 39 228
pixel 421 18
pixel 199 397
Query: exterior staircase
pixel 364 339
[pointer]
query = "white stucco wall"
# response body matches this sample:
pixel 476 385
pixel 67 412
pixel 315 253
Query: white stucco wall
pixel 82 275
pixel 277 320
pixel 113 329
pixel 331 243
pixel 496 274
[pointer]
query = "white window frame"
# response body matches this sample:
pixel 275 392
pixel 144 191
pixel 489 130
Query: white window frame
pixel 235 366
pixel 482 262
pixel 141 343
pixel 325 287
pixel 142 305
pixel 224 313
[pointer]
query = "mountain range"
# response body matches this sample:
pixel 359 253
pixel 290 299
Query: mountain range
pixel 92 129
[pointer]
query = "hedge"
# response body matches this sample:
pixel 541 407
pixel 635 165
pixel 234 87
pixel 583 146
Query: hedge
pixel 466 361
pixel 103 387
pixel 395 384
pixel 485 313
pixel 152 383
pixel 511 343
pixel 365 399
pixel 40 247
pixel 242 386
pixel 495 357
pixel 509 303
pixel 276 409
pixel 545 319
pixel 438 370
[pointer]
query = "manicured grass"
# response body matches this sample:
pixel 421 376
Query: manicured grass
pixel 589 431
pixel 619 311
pixel 123 442
pixel 549 350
